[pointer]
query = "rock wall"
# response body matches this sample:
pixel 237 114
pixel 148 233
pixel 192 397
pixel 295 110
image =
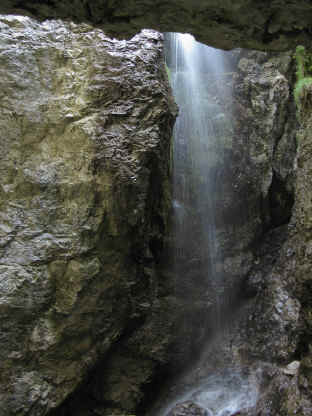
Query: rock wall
pixel 273 25
pixel 270 335
pixel 267 336
pixel 85 126
pixel 252 168
pixel 287 319
pixel 273 335
pixel 260 311
pixel 87 304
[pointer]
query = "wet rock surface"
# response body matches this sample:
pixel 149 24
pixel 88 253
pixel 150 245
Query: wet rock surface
pixel 189 408
pixel 254 149
pixel 272 333
pixel 276 25
pixel 261 315
pixel 84 200
pixel 85 127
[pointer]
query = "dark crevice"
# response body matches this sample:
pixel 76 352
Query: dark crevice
pixel 88 11
pixel 163 373
pixel 32 7
pixel 83 396
pixel 266 252
pixel 281 201
pixel 267 37
pixel 271 37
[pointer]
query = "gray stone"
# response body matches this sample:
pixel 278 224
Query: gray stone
pixel 292 368
pixel 85 128
pixel 84 200
pixel 189 408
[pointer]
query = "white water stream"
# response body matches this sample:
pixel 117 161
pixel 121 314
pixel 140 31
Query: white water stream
pixel 196 149
pixel 198 74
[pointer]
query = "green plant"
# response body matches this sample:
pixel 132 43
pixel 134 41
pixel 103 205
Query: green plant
pixel 302 93
pixel 168 73
pixel 303 86
pixel 300 61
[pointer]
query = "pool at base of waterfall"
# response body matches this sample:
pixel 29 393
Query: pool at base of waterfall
pixel 229 393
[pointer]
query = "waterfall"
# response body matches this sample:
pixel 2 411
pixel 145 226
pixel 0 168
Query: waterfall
pixel 196 73
pixel 200 77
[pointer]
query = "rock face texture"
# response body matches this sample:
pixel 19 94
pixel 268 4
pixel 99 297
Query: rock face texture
pixel 288 387
pixel 86 303
pixel 251 165
pixel 85 127
pixel 276 337
pixel 188 408
pixel 260 308
pixel 270 335
pixel 270 25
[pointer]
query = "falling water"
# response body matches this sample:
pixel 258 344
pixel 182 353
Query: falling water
pixel 197 72
pixel 201 81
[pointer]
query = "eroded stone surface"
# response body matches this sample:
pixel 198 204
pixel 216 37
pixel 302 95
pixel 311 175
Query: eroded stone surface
pixel 85 127
pixel 189 408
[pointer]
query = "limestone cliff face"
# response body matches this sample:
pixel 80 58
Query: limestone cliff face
pixel 273 25
pixel 85 127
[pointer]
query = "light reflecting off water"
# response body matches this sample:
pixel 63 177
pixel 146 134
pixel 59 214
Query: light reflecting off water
pixel 197 157
pixel 222 394
pixel 200 137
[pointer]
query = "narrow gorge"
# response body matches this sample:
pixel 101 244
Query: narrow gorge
pixel 155 205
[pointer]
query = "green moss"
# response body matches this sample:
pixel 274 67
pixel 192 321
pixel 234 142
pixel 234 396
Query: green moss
pixel 303 86
pixel 168 73
pixel 300 61
pixel 302 91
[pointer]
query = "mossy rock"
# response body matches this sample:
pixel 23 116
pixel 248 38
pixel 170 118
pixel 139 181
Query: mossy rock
pixel 303 86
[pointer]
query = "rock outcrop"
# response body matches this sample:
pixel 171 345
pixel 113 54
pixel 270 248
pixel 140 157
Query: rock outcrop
pixel 188 408
pixel 277 333
pixel 85 127
pixel 260 309
pixel 271 334
pixel 251 163
pixel 273 25
pixel 288 387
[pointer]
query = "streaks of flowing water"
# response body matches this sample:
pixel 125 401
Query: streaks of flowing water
pixel 197 78
pixel 195 70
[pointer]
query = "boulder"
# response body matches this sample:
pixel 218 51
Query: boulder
pixel 85 128
pixel 189 408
